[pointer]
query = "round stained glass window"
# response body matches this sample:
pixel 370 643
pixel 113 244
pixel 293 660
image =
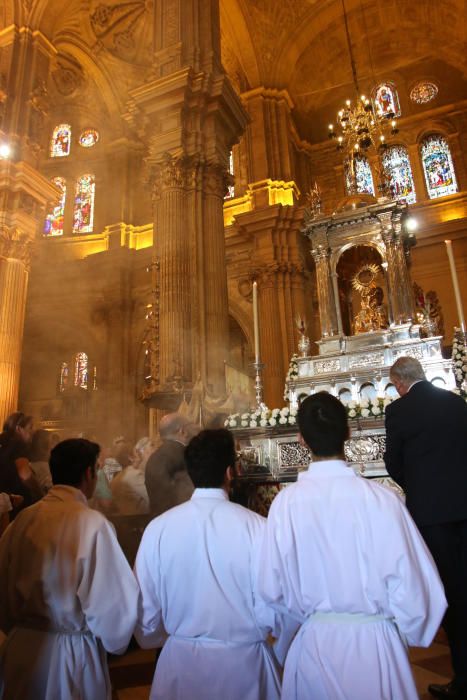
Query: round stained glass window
pixel 89 138
pixel 423 92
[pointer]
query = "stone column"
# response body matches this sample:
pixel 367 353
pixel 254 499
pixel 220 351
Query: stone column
pixel 270 335
pixel 327 306
pixel 14 262
pixel 398 278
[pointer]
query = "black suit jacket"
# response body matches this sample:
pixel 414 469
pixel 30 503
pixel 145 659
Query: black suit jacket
pixel 167 481
pixel 426 452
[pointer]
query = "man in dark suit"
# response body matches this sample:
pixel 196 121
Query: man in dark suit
pixel 167 481
pixel 426 454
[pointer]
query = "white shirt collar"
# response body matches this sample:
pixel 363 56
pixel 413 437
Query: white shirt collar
pixel 413 384
pixel 210 493
pixel 328 468
pixel 63 492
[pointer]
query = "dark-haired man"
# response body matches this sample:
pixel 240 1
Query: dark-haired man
pixel 195 567
pixel 67 593
pixel 426 453
pixel 343 556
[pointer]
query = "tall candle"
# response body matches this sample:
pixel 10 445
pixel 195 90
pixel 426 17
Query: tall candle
pixel 455 284
pixel 255 320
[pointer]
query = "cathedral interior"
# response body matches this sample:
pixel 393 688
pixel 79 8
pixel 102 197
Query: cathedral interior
pixel 159 156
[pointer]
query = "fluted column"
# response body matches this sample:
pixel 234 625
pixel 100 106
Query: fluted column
pixel 14 260
pixel 327 307
pixel 398 278
pixel 270 335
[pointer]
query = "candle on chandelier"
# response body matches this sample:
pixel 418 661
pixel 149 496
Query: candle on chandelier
pixel 455 284
pixel 255 320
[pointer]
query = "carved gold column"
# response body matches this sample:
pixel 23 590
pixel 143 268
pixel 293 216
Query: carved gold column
pixel 327 306
pixel 270 335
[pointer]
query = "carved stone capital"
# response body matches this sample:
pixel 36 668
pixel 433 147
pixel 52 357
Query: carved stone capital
pixel 320 253
pixel 216 180
pixel 173 173
pixel 16 245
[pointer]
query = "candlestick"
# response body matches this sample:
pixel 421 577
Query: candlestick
pixel 255 321
pixel 455 284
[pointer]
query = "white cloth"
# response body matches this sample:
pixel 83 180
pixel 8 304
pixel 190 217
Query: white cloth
pixel 129 492
pixel 111 468
pixel 66 594
pixel 338 544
pixel 196 568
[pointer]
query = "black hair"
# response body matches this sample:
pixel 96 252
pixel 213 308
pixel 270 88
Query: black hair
pixel 207 457
pixel 322 420
pixel 70 459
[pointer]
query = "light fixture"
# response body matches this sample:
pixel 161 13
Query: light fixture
pixel 359 125
pixel 411 224
pixel 5 151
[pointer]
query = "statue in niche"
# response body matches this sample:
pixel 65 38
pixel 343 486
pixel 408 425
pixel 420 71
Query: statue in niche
pixel 373 314
pixel 428 312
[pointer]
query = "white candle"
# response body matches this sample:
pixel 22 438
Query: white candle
pixel 255 320
pixel 455 284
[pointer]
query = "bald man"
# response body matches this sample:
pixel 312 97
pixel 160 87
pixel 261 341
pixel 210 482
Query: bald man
pixel 167 481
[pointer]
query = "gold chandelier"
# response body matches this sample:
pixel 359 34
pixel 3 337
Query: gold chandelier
pixel 359 126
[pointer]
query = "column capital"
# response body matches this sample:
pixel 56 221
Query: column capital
pixel 15 244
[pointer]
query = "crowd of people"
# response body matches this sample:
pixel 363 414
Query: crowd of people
pixel 319 600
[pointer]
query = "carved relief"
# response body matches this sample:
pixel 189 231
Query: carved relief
pixel 68 75
pixel 39 102
pixel 365 449
pixel 324 366
pixel 291 454
pixel 124 29
pixel 14 244
pixel 415 352
pixel 369 359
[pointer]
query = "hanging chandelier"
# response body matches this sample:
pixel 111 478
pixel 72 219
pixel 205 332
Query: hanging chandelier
pixel 359 126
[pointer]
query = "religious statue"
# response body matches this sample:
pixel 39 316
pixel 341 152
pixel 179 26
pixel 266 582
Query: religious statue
pixel 313 198
pixel 373 314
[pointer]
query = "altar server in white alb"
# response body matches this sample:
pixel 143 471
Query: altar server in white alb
pixel 67 593
pixel 343 555
pixel 196 567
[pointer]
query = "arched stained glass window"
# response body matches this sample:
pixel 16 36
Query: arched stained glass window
pixel 363 176
pixel 81 370
pixel 386 101
pixel 438 167
pixel 83 215
pixel 396 164
pixel 60 143
pixel 53 225
pixel 231 188
pixel 64 373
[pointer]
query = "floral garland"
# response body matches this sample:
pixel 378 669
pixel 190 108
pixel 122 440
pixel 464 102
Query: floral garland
pixel 459 363
pixel 292 373
pixel 366 408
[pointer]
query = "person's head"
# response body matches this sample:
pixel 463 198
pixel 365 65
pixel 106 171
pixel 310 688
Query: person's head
pixel 174 426
pixel 73 463
pixel 323 424
pixel 404 372
pixel 40 445
pixel 122 450
pixel 210 459
pixel 54 439
pixel 19 426
pixel 143 450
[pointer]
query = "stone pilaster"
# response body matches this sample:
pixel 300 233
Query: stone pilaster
pixel 327 305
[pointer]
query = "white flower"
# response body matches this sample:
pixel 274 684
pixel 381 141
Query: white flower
pixel 293 411
pixel 364 403
pixel 257 413
pixel 244 424
pixel 253 424
pixel 352 404
pixel 365 412
pixel 459 363
pixel 376 411
pixel 263 423
pixel 264 415
pixel 285 411
pixel 292 420
pixel 245 416
pixel 232 424
pixel 352 413
pixel 275 412
pixel 386 402
pixel 272 421
pixel 283 421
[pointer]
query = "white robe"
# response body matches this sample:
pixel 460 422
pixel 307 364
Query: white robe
pixel 196 568
pixel 337 544
pixel 67 594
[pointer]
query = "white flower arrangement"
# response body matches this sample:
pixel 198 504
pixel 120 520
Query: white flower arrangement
pixel 366 408
pixel 459 363
pixel 292 373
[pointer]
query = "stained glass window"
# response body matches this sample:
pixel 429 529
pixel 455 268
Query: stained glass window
pixel 89 138
pixel 61 141
pixel 83 216
pixel 363 176
pixel 64 372
pixel 396 164
pixel 231 188
pixel 81 370
pixel 386 101
pixel 423 92
pixel 438 168
pixel 53 225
